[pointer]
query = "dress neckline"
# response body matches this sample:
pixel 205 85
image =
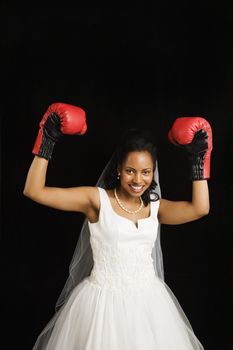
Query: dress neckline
pixel 136 225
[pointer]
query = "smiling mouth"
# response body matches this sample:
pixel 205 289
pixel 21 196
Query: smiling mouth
pixel 136 188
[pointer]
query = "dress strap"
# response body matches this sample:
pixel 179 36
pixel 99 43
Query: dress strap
pixel 103 199
pixel 154 208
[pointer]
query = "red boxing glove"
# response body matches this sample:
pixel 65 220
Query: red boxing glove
pixel 59 119
pixel 194 134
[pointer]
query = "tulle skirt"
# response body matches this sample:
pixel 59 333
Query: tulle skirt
pixel 96 318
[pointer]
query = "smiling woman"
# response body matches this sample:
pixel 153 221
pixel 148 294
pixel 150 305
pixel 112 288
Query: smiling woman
pixel 136 172
pixel 132 167
pixel 115 296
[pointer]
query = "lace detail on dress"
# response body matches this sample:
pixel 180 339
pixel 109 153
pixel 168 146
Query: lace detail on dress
pixel 123 267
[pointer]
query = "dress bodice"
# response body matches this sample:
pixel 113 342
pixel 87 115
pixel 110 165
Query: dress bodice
pixel 122 251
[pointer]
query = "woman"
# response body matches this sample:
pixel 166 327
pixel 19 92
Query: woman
pixel 121 303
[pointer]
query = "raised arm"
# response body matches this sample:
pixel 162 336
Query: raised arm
pixel 194 135
pixel 82 199
pixel 59 119
pixel 180 212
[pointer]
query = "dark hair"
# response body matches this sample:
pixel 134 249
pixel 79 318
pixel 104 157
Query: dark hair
pixel 132 140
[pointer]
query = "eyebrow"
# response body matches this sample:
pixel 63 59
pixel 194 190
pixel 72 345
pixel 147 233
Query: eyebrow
pixel 135 169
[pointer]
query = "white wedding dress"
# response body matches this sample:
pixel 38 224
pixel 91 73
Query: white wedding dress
pixel 122 305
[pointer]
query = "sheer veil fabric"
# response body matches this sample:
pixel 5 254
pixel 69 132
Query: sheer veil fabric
pixel 82 263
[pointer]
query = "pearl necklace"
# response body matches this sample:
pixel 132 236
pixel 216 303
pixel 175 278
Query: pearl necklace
pixel 125 209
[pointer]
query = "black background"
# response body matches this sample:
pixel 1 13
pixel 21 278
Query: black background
pixel 125 66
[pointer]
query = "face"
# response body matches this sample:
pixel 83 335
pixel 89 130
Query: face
pixel 136 173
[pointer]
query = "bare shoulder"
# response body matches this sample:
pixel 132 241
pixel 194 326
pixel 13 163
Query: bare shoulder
pixel 166 208
pixel 92 212
pixel 94 197
pixel 162 204
pixel 88 195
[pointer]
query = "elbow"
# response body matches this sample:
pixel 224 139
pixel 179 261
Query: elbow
pixel 26 193
pixel 207 210
pixel 204 212
pixel 32 193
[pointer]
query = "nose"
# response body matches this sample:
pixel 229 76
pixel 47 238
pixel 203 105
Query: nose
pixel 137 178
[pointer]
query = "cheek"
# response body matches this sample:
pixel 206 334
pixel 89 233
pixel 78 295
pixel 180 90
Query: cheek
pixel 149 179
pixel 125 177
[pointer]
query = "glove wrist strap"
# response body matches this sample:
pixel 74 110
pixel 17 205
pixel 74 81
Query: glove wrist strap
pixel 46 147
pixel 197 166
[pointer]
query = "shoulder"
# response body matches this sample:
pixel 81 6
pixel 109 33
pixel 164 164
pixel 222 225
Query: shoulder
pixel 93 194
pixel 163 208
pixel 154 205
pixel 164 205
pixel 97 194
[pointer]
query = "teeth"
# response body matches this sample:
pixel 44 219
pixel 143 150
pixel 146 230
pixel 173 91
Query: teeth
pixel 136 187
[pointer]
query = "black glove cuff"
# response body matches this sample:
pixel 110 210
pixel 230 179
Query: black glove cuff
pixel 51 134
pixel 46 147
pixel 197 166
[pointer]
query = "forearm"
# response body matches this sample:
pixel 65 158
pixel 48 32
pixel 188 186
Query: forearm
pixel 200 197
pixel 36 177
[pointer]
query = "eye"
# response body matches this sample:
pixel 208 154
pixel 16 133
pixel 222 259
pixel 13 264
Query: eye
pixel 146 172
pixel 129 171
